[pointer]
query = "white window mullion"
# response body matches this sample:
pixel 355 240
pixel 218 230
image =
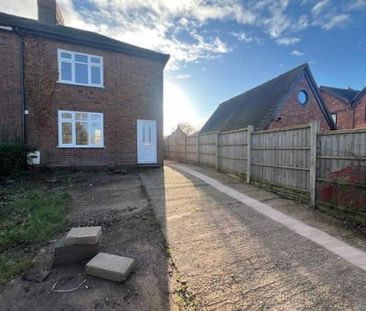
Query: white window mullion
pixel 89 131
pixel 102 129
pixel 59 128
pixel 73 130
pixel 89 70
pixel 73 67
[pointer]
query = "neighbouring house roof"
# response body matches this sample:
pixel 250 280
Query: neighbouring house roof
pixel 259 105
pixel 77 36
pixel 358 96
pixel 344 94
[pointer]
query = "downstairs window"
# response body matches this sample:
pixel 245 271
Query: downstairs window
pixel 80 129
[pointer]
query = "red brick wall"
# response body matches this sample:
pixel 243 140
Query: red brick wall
pixel 293 113
pixel 343 111
pixel 10 88
pixel 360 113
pixel 133 89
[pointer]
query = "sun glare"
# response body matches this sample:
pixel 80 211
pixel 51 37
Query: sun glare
pixel 177 108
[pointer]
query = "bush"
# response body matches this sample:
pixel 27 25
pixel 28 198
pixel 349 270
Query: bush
pixel 13 159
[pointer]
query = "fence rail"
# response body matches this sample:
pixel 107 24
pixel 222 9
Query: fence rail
pixel 293 161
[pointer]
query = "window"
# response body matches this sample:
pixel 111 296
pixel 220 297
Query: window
pixel 146 135
pixel 80 129
pixel 302 97
pixel 334 117
pixel 80 69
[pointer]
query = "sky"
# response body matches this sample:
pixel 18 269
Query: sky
pixel 220 49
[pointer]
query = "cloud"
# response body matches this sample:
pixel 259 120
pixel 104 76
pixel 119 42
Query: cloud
pixel 356 4
pixel 297 53
pixel 179 77
pixel 191 30
pixel 336 21
pixel 288 41
pixel 320 7
pixel 242 36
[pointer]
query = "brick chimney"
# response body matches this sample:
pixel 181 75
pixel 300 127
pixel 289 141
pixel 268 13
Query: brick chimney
pixel 49 12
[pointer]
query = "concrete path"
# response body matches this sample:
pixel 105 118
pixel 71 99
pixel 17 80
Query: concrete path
pixel 235 258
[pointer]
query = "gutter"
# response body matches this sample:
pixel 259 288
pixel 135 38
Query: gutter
pixel 22 76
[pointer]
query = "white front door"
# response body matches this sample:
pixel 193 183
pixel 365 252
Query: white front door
pixel 146 142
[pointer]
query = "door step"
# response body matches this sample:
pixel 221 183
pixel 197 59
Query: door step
pixel 149 165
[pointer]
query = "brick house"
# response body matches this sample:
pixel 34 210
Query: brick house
pixel 77 97
pixel 346 106
pixel 287 100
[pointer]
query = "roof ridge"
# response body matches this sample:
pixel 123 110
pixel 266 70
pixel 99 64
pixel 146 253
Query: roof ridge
pixel 304 65
pixel 338 88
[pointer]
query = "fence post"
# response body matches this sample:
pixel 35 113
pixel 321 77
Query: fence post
pixel 198 149
pixel 217 149
pixel 249 151
pixel 185 148
pixel 314 130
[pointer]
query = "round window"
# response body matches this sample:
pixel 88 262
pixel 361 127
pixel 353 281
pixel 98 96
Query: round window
pixel 302 97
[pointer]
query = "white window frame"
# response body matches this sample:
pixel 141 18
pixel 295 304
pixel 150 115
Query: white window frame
pixel 73 65
pixel 73 121
pixel 334 117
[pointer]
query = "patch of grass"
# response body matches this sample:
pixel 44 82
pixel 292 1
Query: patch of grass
pixel 10 266
pixel 33 218
pixel 168 252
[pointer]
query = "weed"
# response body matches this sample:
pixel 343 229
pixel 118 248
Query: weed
pixel 34 218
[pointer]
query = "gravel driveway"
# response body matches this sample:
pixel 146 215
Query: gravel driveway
pixel 233 258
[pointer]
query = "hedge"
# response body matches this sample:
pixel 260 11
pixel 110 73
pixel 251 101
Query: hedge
pixel 13 159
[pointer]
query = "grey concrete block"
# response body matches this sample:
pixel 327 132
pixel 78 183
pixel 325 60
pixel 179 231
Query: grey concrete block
pixel 84 235
pixel 110 267
pixel 66 253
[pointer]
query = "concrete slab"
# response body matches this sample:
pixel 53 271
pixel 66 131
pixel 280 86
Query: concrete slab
pixel 110 267
pixel 66 253
pixel 84 235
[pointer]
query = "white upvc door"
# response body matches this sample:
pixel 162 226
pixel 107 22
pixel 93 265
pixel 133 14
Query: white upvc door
pixel 146 142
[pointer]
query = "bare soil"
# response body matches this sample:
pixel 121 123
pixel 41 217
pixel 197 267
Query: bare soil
pixel 118 203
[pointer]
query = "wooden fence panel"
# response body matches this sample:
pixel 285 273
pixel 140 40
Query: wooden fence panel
pixel 341 180
pixel 340 149
pixel 232 150
pixel 329 168
pixel 207 149
pixel 282 157
pixel 191 149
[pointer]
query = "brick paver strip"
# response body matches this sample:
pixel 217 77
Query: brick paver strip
pixel 339 248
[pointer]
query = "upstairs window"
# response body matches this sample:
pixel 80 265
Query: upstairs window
pixel 334 117
pixel 80 129
pixel 80 69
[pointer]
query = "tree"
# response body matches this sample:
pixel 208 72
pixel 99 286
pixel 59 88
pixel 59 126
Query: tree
pixel 187 128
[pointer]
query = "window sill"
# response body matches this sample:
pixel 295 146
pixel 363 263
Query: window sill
pixel 80 147
pixel 81 84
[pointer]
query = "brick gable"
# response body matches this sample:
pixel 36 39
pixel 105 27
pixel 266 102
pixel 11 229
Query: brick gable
pixel 340 107
pixel 293 113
